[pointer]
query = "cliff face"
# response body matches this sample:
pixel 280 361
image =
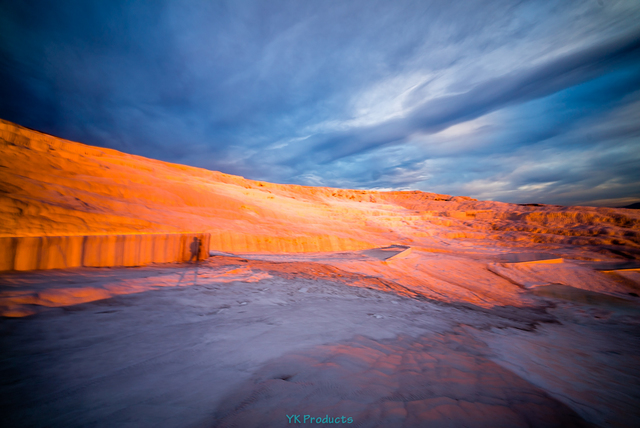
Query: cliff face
pixel 485 304
pixel 54 187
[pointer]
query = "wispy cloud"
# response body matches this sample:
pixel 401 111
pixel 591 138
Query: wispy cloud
pixel 522 102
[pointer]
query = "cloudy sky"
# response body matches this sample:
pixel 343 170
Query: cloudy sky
pixel 528 102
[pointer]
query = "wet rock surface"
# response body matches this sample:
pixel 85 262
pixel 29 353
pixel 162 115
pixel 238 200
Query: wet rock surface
pixel 244 342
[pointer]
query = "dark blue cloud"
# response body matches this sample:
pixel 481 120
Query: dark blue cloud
pixel 516 101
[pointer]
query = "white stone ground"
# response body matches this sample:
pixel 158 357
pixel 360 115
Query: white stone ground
pixel 229 346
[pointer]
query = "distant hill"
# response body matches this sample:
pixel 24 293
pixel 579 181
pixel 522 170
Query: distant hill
pixel 635 206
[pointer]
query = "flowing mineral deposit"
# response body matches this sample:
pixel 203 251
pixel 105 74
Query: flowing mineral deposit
pixel 142 293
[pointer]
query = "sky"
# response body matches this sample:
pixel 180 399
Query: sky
pixel 515 101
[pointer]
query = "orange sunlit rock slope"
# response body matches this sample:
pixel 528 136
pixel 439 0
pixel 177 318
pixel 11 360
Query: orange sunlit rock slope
pixel 53 187
pixel 454 249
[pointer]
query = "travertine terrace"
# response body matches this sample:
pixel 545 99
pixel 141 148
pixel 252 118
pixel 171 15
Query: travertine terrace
pixel 54 187
pixel 398 308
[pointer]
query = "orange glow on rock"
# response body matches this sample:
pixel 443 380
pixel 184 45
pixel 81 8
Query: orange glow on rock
pixel 66 204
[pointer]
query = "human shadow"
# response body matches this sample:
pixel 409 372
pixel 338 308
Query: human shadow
pixel 182 282
pixel 196 249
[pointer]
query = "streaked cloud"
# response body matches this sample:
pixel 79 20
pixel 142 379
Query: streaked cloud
pixel 520 102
